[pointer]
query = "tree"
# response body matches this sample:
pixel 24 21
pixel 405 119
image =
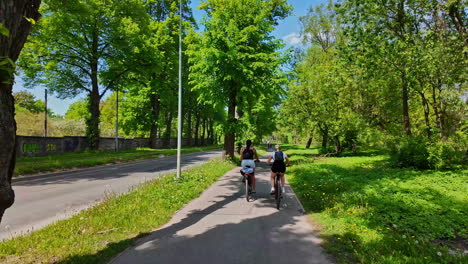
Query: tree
pixel 29 102
pixel 78 110
pixel 152 96
pixel 92 55
pixel 375 67
pixel 16 17
pixel 236 60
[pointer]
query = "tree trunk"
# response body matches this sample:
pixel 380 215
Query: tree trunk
pixel 197 128
pixel 296 137
pixel 212 136
pixel 454 12
pixel 435 106
pixel 405 97
pixel 426 114
pixel 167 133
pixel 155 110
pixel 309 142
pixel 189 128
pixel 12 14
pixel 92 122
pixel 203 132
pixel 338 148
pixel 230 137
pixel 443 122
pixel 324 132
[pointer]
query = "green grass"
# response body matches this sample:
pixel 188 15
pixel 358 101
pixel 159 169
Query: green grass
pixel 99 233
pixel 373 213
pixel 31 165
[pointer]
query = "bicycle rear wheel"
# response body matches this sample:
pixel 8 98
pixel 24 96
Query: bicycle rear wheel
pixel 277 192
pixel 247 185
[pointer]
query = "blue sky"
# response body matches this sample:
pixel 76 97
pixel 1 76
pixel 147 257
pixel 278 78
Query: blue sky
pixel 287 30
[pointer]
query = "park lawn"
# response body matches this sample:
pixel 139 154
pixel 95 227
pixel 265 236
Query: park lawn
pixel 31 165
pixel 100 233
pixel 369 212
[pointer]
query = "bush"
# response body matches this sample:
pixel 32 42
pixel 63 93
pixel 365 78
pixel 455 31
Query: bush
pixel 418 152
pixel 445 155
pixel 412 152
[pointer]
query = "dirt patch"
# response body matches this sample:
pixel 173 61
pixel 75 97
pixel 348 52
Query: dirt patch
pixel 458 245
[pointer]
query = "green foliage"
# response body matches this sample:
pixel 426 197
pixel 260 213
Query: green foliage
pixel 420 153
pixel 4 31
pixel 235 63
pixel 28 101
pixel 98 234
pixel 78 110
pixel 373 213
pixel 412 152
pixel 369 64
pixel 446 155
pixel 91 56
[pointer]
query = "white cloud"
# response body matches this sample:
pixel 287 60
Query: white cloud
pixel 293 39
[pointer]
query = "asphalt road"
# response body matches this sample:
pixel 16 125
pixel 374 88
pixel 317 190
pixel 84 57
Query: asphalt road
pixel 222 227
pixel 45 199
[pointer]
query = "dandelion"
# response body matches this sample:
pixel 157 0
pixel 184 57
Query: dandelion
pixel 439 253
pixel 394 226
pixel 365 230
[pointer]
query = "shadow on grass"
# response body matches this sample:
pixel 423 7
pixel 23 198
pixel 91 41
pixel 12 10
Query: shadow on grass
pixel 400 205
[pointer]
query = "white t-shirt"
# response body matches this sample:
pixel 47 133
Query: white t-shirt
pixel 272 154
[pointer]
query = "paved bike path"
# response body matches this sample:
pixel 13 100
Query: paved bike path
pixel 222 227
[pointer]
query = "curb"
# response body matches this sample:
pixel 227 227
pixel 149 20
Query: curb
pixel 79 170
pixel 298 202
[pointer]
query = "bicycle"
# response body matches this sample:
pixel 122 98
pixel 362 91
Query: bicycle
pixel 278 190
pixel 247 174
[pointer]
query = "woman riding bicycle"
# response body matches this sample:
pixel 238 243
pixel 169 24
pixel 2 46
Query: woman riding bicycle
pixel 278 167
pixel 247 155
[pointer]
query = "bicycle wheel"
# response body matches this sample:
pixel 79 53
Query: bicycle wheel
pixel 277 192
pixel 247 185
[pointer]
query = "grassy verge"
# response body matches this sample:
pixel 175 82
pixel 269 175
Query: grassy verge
pixel 99 233
pixel 31 165
pixel 372 213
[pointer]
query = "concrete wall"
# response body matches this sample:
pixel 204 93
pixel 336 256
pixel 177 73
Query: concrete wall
pixel 27 146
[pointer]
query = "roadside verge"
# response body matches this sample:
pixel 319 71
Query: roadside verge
pixel 97 234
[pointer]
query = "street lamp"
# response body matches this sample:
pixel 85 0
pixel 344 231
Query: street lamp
pixel 179 116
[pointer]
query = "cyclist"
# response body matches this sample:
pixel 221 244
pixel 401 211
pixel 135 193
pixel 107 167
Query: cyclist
pixel 279 166
pixel 247 155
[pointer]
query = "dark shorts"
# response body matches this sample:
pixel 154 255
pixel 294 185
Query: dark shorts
pixel 278 167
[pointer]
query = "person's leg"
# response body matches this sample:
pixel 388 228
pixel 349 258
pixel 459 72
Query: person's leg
pixel 272 182
pixel 253 183
pixel 282 182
